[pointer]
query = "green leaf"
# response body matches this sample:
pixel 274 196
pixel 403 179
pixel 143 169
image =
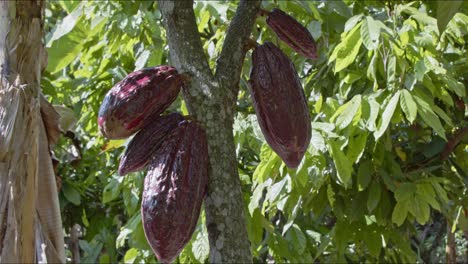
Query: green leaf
pixel 429 117
pixel 127 229
pixel 346 52
pixel 445 12
pixel 400 212
pixel 256 230
pixel 364 174
pixel 258 195
pixel 275 190
pixel 201 247
pixel 131 255
pixel 425 192
pixel 269 162
pixel 348 112
pixel 315 28
pixel 455 85
pixel 142 59
pixel 343 166
pixel 391 70
pixel 67 24
pixel 387 115
pixel 442 114
pixel 350 23
pixel 356 146
pixel 112 190
pixel 62 53
pixel 374 113
pixel 331 195
pixel 404 192
pixel 297 238
pixel 408 105
pixel 370 33
pixel 71 193
pixel 374 196
pixel 373 241
pixel 420 209
pixel 419 70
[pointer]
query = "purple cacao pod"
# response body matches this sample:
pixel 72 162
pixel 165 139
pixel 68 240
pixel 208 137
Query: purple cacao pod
pixel 140 149
pixel 292 32
pixel 138 96
pixel 174 189
pixel 280 103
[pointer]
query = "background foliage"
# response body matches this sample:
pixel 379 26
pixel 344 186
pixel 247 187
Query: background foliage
pixel 384 178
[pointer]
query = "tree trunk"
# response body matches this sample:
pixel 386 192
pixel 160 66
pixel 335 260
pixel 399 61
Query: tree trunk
pixel 451 247
pixel 211 99
pixel 30 223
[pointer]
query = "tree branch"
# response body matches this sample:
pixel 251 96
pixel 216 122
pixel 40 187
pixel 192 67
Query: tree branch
pixel 186 49
pixel 230 62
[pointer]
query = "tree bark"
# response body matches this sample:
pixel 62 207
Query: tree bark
pixel 211 99
pixel 30 223
pixel 451 247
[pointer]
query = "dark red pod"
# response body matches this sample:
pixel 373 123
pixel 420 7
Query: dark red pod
pixel 174 190
pixel 292 32
pixel 280 103
pixel 138 96
pixel 140 149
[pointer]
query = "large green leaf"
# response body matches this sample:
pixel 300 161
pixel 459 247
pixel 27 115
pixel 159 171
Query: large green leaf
pixel 270 161
pixel 445 12
pixel 429 117
pixel 400 212
pixel 347 112
pixel 345 53
pixel 343 166
pixel 370 33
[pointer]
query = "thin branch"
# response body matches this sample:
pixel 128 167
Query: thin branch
pixel 230 62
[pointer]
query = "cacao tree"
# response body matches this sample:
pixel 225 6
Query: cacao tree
pixel 383 179
pixel 31 226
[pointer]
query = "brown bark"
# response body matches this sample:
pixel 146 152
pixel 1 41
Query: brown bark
pixel 450 248
pixel 211 99
pixel 30 223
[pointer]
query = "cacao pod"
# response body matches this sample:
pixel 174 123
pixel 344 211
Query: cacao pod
pixel 280 103
pixel 147 141
pixel 292 32
pixel 138 96
pixel 174 189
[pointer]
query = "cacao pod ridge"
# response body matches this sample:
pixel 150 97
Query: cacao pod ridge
pixel 140 149
pixel 132 101
pixel 174 189
pixel 292 33
pixel 280 103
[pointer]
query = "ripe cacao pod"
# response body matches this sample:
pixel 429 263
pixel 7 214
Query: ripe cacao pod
pixel 138 96
pixel 174 189
pixel 147 141
pixel 280 103
pixel 292 32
